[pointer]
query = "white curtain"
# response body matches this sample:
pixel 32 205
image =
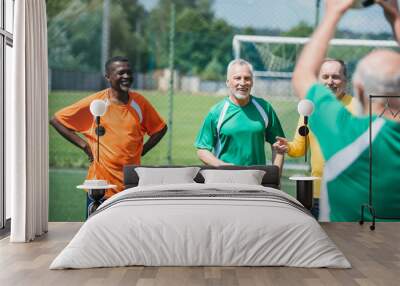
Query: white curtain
pixel 27 123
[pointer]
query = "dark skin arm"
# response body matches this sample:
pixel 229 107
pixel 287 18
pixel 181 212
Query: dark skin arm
pixel 72 137
pixel 153 140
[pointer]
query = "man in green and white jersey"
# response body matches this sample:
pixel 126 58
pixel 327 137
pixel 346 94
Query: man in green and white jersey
pixel 235 129
pixel 344 139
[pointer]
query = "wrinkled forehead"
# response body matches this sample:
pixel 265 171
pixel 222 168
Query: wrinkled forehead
pixel 331 68
pixel 240 69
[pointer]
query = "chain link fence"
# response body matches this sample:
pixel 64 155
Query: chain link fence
pixel 203 46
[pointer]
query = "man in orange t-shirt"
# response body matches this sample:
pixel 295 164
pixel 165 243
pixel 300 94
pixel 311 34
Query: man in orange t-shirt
pixel 128 118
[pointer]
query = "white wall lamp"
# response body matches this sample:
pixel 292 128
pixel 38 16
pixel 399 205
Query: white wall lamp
pixel 305 108
pixel 98 108
pixel 97 188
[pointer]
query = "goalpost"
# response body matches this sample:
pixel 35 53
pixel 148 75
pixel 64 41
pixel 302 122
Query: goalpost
pixel 274 58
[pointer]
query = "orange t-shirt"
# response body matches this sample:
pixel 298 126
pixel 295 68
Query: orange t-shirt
pixel 122 142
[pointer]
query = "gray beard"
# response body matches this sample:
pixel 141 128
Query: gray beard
pixel 239 96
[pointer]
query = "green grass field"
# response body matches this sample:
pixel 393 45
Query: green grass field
pixel 188 113
pixel 68 164
pixel 66 202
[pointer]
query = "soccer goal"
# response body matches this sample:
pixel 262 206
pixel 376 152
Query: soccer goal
pixel 274 58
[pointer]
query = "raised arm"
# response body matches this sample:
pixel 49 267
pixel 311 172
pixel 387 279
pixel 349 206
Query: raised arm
pixel 310 60
pixel 392 14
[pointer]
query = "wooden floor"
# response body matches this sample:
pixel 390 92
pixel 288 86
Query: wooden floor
pixel 374 255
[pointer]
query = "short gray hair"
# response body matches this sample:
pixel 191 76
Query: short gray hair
pixel 375 82
pixel 340 62
pixel 240 62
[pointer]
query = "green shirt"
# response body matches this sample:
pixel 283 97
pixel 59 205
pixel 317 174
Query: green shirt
pixel 242 133
pixel 344 141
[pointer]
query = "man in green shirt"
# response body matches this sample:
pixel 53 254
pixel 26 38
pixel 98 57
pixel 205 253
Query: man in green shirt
pixel 236 128
pixel 344 138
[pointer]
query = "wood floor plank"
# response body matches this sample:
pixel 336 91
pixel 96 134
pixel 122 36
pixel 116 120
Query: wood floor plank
pixel 374 255
pixel 212 272
pixel 146 282
pixel 131 276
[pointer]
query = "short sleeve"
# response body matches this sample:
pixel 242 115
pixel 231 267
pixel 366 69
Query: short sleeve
pixel 152 121
pixel 333 125
pixel 207 136
pixel 274 127
pixel 77 116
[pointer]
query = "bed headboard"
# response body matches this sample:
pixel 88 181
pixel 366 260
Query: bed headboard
pixel 270 179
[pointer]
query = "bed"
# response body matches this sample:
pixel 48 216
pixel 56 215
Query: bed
pixel 201 222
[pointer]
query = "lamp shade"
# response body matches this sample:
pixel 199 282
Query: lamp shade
pixel 98 107
pixel 305 107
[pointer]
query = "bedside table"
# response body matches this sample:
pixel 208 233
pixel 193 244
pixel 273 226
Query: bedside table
pixel 304 190
pixel 95 193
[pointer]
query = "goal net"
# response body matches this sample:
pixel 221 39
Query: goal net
pixel 274 58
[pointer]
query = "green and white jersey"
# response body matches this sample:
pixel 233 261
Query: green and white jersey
pixel 344 141
pixel 237 134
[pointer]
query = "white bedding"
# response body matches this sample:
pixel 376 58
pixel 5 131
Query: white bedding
pixel 241 227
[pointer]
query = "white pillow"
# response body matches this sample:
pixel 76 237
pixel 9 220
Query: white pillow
pixel 166 176
pixel 248 177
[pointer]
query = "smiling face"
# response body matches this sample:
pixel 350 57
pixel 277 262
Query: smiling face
pixel 119 75
pixel 240 81
pixel 332 76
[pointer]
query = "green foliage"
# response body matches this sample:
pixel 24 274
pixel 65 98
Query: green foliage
pixel 53 7
pixel 191 31
pixel 221 35
pixel 75 30
pixel 214 70
pixel 196 31
pixel 300 30
pixel 195 34
pixel 203 42
pixel 74 36
pixel 126 32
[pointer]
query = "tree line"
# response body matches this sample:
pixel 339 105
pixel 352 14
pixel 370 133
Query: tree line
pixel 203 42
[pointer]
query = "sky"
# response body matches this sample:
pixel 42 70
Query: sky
pixel 284 14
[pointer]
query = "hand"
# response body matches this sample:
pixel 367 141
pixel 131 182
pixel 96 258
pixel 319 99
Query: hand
pixel 390 9
pixel 337 7
pixel 88 152
pixel 281 145
pixel 222 163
